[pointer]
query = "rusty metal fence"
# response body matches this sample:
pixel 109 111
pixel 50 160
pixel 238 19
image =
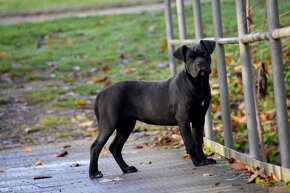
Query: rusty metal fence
pixel 273 36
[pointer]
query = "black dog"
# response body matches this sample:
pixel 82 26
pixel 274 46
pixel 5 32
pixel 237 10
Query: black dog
pixel 182 100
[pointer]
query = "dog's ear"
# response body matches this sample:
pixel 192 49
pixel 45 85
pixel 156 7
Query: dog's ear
pixel 209 45
pixel 180 53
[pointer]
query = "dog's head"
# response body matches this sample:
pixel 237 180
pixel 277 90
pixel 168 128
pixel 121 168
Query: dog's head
pixel 197 58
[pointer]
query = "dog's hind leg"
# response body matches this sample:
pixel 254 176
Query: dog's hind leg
pixel 123 132
pixel 104 133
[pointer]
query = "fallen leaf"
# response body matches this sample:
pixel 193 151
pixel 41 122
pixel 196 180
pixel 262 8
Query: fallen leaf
pixel 27 129
pixel 75 165
pixel 138 147
pixel 41 177
pixel 38 163
pixel 208 174
pixel 105 151
pixel 81 102
pixel 116 179
pixel 239 165
pixel 28 149
pixel 186 156
pixel 98 79
pixel 66 146
pixel 105 68
pixel 216 184
pixel 67 42
pixel 176 136
pixel 260 173
pixel 275 177
pixel 86 124
pixel 250 169
pixel 61 154
pixel 2 171
pixel 232 160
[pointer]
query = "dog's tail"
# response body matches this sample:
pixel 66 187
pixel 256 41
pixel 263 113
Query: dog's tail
pixel 96 108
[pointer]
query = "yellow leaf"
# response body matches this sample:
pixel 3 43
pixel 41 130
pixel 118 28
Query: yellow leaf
pixel 28 149
pixel 66 42
pixel 49 41
pixel 81 102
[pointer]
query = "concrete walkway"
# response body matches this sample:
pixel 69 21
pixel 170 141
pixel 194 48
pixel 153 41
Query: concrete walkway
pixel 160 170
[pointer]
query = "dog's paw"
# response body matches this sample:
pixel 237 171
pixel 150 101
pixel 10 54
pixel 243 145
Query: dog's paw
pixel 97 174
pixel 210 161
pixel 199 163
pixel 130 169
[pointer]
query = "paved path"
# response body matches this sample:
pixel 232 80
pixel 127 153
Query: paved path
pixel 110 11
pixel 160 170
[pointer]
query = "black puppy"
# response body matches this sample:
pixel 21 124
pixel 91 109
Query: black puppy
pixel 182 100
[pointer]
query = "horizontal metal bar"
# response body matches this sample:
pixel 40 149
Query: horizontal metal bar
pixel 248 38
pixel 281 33
pixel 281 172
pixel 194 41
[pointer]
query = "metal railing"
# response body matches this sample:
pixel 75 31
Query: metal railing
pixel 244 38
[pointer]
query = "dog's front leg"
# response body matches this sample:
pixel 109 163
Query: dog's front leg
pixel 190 143
pixel 198 131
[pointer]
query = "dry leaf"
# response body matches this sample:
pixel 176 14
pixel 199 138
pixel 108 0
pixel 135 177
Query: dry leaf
pixel 66 146
pixel 116 179
pixel 176 136
pixel 98 79
pixel 38 163
pixel 2 171
pixel 105 151
pixel 81 102
pixel 67 42
pixel 208 174
pixel 275 177
pixel 75 165
pixel 105 68
pixel 61 154
pixel 27 129
pixel 86 124
pixel 138 147
pixel 186 156
pixel 260 173
pixel 250 169
pixel 232 160
pixel 239 165
pixel 28 149
pixel 41 177
pixel 216 184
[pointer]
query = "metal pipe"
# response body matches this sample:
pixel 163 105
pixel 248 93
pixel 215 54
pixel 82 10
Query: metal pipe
pixel 222 75
pixel 247 81
pixel 181 19
pixel 198 35
pixel 279 84
pixel 281 32
pixel 197 18
pixel 169 32
pixel 247 38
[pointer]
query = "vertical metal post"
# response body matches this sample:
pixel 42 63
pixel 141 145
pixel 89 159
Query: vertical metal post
pixel 169 32
pixel 198 35
pixel 222 74
pixel 279 84
pixel 247 81
pixel 197 18
pixel 181 19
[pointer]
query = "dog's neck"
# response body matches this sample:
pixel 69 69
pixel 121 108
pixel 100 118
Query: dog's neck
pixel 200 84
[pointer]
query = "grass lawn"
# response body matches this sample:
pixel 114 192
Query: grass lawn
pixel 8 5
pixel 78 56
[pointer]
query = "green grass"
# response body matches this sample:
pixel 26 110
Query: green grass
pixel 6 5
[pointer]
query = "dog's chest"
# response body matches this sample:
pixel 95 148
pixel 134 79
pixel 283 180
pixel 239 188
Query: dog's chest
pixel 199 106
